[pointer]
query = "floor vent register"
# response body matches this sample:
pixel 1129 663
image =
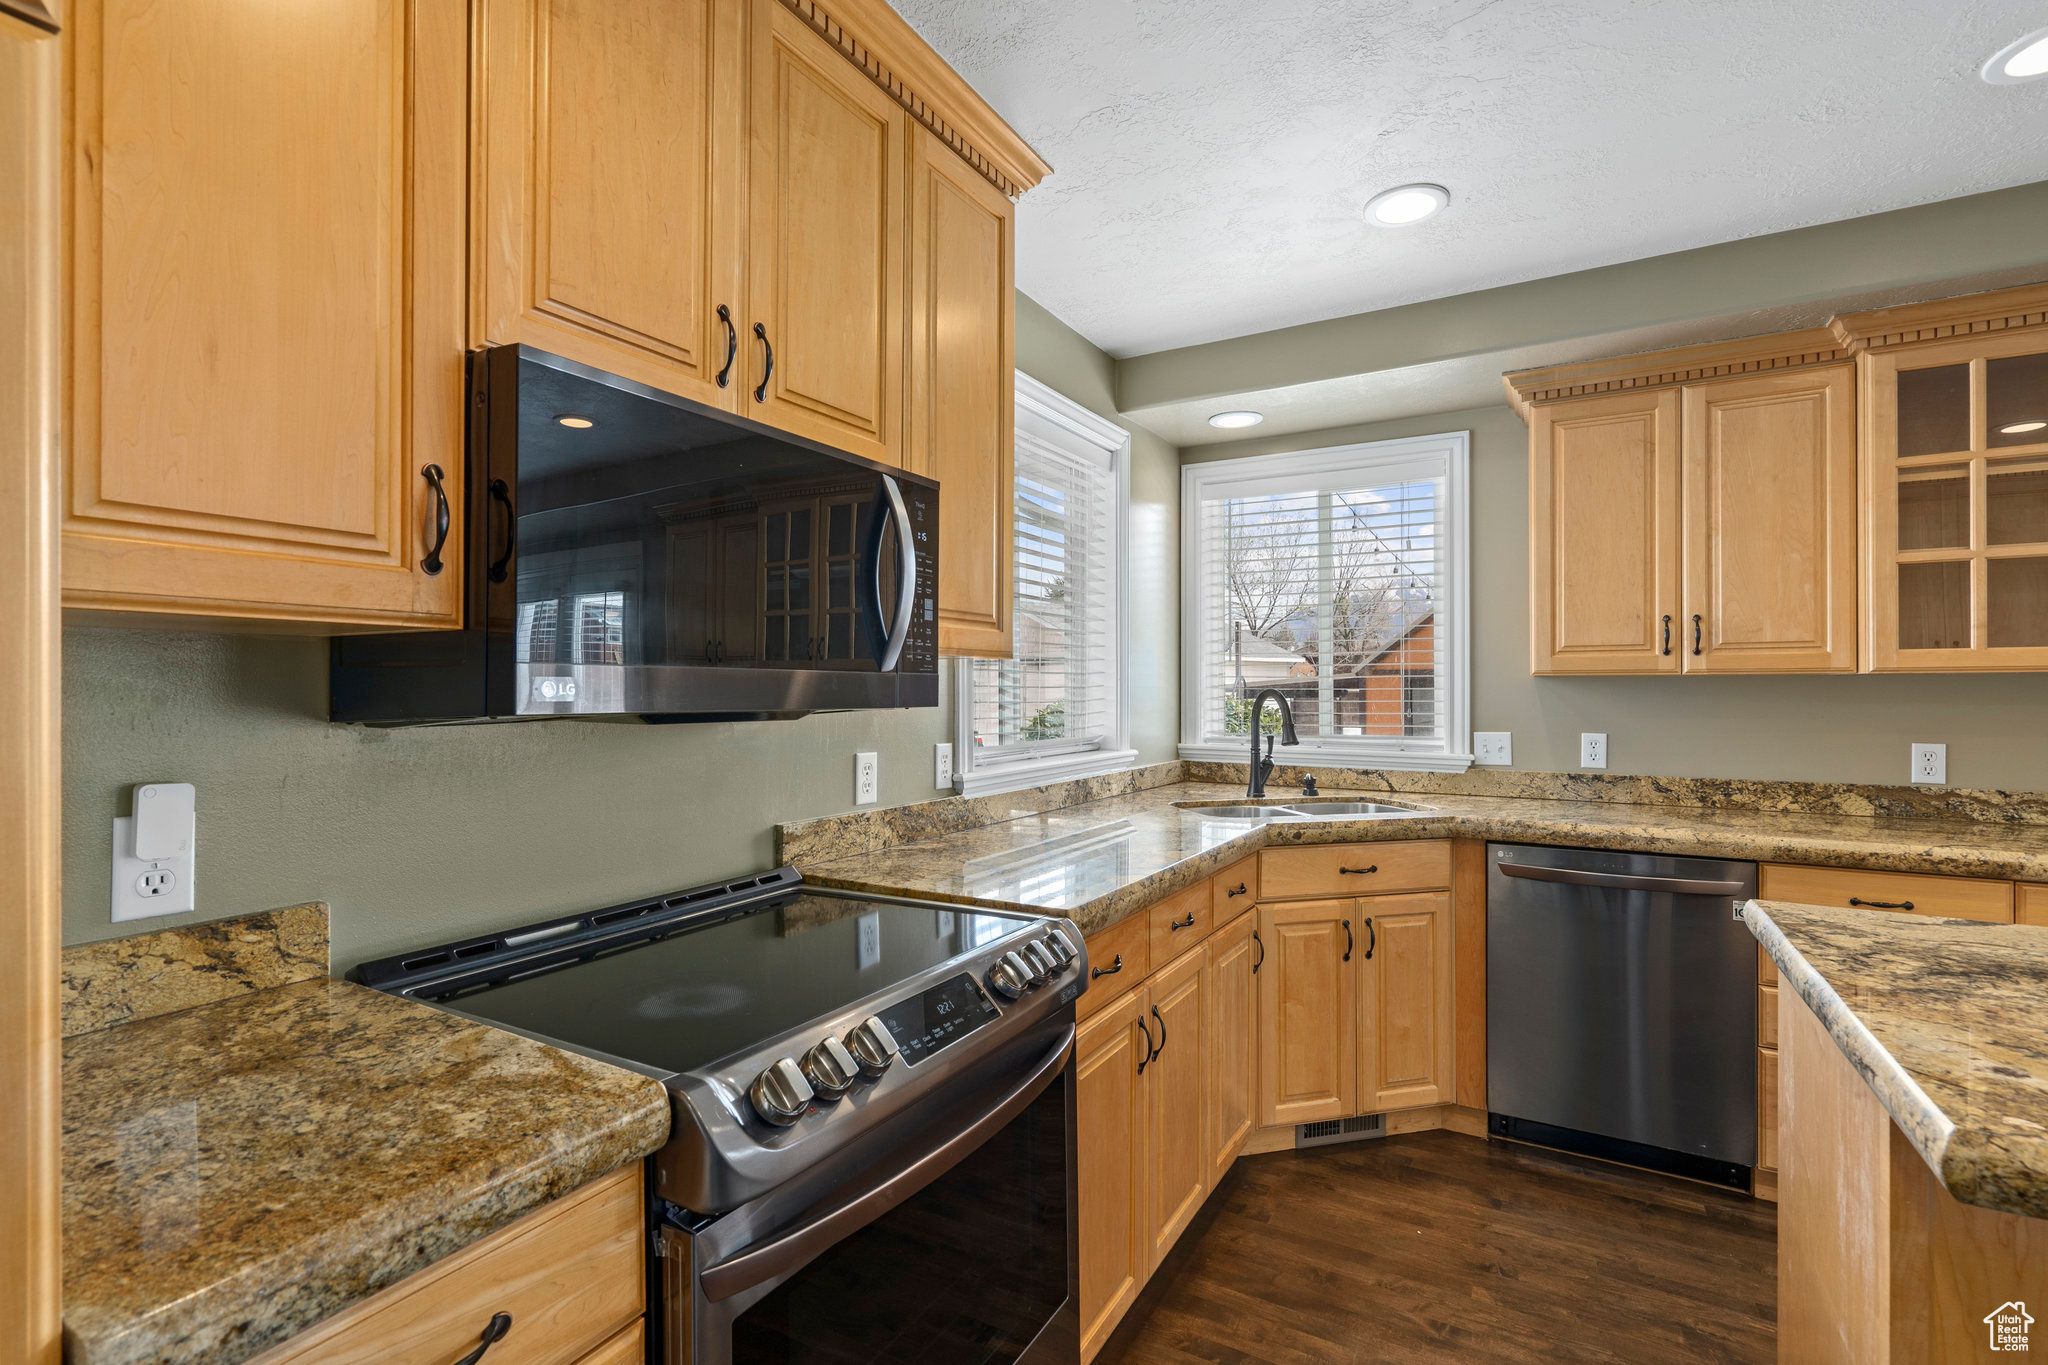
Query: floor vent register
pixel 1340 1130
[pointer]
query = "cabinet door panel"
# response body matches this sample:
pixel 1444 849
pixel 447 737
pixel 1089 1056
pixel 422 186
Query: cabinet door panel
pixel 1231 1043
pixel 1308 1068
pixel 824 241
pixel 962 409
pixel 1604 534
pixel 267 304
pixel 1175 1087
pixel 1770 507
pixel 611 169
pixel 1405 1024
pixel 1109 1117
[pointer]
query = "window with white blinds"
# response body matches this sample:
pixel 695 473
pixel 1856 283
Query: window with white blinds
pixel 1054 709
pixel 1337 578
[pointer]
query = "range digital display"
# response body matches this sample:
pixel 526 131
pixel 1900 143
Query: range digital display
pixel 944 1014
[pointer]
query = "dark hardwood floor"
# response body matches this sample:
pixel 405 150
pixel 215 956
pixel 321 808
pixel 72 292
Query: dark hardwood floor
pixel 1440 1247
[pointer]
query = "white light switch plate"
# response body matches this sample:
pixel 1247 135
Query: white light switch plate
pixel 942 765
pixel 1930 764
pixel 165 828
pixel 1592 751
pixel 867 779
pixel 1493 748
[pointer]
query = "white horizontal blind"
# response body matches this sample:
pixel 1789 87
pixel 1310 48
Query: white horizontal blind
pixel 1057 692
pixel 1330 587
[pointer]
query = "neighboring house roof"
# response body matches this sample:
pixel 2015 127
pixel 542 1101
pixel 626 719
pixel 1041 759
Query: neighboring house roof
pixel 1252 647
pixel 1414 617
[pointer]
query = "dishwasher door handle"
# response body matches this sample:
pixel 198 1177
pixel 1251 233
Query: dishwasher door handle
pixel 1621 881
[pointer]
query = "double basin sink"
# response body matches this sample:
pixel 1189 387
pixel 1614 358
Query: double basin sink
pixel 1305 808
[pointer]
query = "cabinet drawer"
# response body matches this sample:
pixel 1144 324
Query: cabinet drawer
pixel 2033 904
pixel 1128 939
pixel 1232 891
pixel 1918 893
pixel 1354 869
pixel 570 1274
pixel 1766 1109
pixel 627 1348
pixel 1767 1017
pixel 1180 922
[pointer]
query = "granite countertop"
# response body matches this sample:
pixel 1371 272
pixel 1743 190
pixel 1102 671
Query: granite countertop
pixel 235 1172
pixel 1945 1020
pixel 1106 859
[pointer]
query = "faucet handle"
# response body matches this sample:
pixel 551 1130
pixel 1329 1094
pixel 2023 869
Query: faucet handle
pixel 1308 786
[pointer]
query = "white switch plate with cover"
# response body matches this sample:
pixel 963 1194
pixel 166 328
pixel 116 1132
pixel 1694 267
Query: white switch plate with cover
pixel 1493 748
pixel 1592 751
pixel 867 779
pixel 154 852
pixel 1930 764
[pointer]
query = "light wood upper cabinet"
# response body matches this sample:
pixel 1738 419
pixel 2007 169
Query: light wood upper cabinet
pixel 961 419
pixel 1110 1164
pixel 826 216
pixel 1308 1057
pixel 1232 1032
pixel 1604 534
pixel 1769 495
pixel 1405 1022
pixel 611 180
pixel 267 307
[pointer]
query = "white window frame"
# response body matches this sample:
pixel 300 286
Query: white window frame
pixel 1046 416
pixel 1200 481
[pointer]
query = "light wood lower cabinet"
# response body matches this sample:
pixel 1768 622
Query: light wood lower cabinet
pixel 1405 1023
pixel 1176 1092
pixel 2031 906
pixel 1110 1162
pixel 1308 1037
pixel 1232 1041
pixel 1916 893
pixel 570 1275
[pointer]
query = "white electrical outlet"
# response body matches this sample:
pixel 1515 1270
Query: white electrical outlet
pixel 946 923
pixel 867 779
pixel 868 938
pixel 1930 764
pixel 1493 748
pixel 1592 751
pixel 942 765
pixel 154 851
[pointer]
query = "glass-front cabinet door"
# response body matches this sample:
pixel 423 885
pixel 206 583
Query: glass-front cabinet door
pixel 1956 504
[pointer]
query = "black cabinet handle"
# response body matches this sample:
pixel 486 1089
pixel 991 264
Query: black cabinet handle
pixel 1111 970
pixel 768 372
pixel 1667 633
pixel 1176 925
pixel 501 494
pixel 711 651
pixel 1358 871
pixel 1881 905
pixel 494 1332
pixel 1241 890
pixel 1157 1019
pixel 732 345
pixel 431 565
pixel 1349 942
pixel 1150 1050
pixel 1695 632
pixel 1372 938
pixel 1260 944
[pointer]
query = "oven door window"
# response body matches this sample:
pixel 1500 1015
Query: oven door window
pixel 966 1272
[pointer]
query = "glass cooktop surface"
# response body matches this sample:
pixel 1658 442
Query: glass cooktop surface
pixel 684 1002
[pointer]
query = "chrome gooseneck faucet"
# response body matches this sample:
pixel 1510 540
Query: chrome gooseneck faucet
pixel 1263 767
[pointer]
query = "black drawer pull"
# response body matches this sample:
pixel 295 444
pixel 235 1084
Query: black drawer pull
pixel 732 345
pixel 1372 938
pixel 1260 944
pixel 1162 1031
pixel 494 1332
pixel 431 565
pixel 1359 871
pixel 1111 970
pixel 1881 905
pixel 1695 633
pixel 1241 890
pixel 1667 634
pixel 1150 1050
pixel 1178 924
pixel 1348 941
pixel 768 370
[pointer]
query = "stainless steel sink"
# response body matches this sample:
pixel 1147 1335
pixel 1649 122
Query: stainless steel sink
pixel 1304 809
pixel 1324 809
pixel 1233 812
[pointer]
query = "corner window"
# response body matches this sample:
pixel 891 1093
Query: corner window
pixel 1054 710
pixel 1337 578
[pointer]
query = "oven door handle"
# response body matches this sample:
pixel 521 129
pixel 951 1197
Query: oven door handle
pixel 764 1261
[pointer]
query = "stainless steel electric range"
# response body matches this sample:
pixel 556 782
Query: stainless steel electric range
pixel 871 1157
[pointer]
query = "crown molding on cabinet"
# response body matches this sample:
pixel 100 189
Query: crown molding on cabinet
pixel 911 73
pixel 1681 365
pixel 1907 324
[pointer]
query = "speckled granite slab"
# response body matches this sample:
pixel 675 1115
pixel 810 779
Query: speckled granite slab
pixel 1107 859
pixel 116 980
pixel 1948 1022
pixel 236 1172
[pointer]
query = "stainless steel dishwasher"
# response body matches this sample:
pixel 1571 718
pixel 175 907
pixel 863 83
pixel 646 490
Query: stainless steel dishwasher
pixel 1621 1007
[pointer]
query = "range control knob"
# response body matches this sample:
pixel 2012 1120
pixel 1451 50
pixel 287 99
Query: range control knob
pixel 1061 946
pixel 830 1069
pixel 780 1094
pixel 1044 966
pixel 873 1047
pixel 1009 977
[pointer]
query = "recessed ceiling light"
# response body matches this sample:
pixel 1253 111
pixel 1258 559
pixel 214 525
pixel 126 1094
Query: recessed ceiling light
pixel 1231 420
pixel 570 419
pixel 1405 204
pixel 2023 60
pixel 2021 428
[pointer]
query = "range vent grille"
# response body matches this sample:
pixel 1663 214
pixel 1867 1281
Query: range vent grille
pixel 1340 1130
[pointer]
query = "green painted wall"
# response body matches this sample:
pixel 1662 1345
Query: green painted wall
pixel 416 836
pixel 1828 728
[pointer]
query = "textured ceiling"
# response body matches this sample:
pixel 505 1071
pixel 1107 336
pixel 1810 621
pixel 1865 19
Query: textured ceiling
pixel 1212 156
